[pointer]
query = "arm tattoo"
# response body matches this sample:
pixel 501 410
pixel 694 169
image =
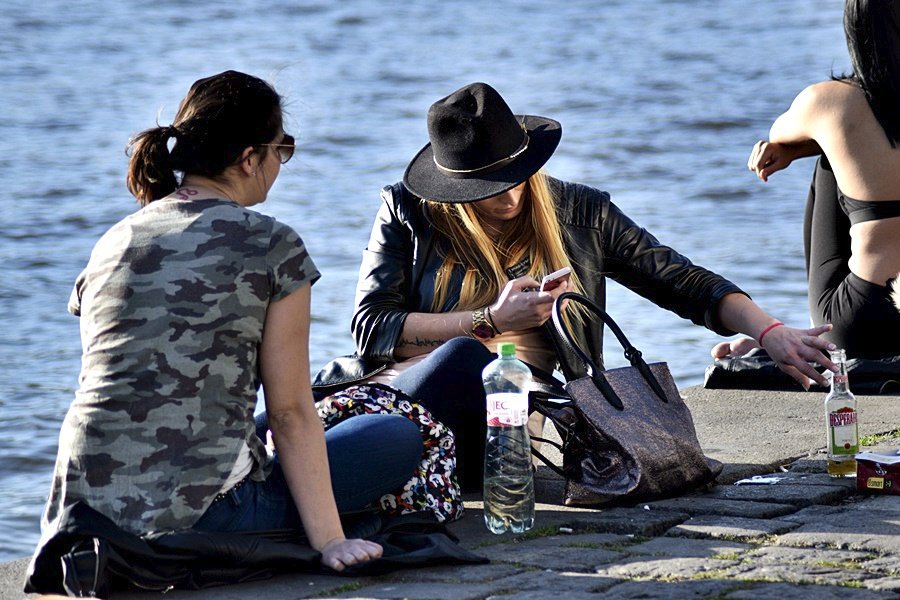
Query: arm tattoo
pixel 421 343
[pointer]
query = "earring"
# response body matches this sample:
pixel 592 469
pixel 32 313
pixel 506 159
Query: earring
pixel 253 172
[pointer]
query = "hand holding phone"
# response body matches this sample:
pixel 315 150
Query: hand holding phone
pixel 554 279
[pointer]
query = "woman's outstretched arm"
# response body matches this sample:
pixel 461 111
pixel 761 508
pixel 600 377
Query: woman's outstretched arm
pixel 297 430
pixel 792 349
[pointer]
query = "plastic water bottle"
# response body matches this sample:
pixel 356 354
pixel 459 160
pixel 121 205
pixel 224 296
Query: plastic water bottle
pixel 508 479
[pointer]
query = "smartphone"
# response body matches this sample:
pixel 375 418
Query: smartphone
pixel 552 281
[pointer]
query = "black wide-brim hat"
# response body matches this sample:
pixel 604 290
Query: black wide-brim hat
pixel 478 147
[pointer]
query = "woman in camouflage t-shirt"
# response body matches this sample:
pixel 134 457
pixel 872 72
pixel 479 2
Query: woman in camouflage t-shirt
pixel 189 305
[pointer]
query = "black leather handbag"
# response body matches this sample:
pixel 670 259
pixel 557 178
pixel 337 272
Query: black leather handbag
pixel 627 435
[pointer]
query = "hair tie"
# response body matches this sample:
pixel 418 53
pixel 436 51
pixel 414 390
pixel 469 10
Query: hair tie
pixel 171 132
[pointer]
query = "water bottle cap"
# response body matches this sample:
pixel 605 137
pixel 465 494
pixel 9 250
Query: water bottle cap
pixel 506 349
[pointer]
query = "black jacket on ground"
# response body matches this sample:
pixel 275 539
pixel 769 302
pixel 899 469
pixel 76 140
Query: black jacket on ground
pixel 87 555
pixel 403 256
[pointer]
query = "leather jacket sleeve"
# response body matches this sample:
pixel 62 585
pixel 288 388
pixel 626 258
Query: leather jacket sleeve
pixel 636 259
pixel 602 242
pixel 383 287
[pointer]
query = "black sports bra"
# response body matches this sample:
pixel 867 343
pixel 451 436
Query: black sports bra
pixel 867 210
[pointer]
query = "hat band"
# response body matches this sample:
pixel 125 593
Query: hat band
pixel 486 168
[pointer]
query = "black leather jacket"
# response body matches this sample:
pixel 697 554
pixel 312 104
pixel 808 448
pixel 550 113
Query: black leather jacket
pixel 400 262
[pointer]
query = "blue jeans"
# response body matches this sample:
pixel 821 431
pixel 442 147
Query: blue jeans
pixel 368 455
pixel 448 384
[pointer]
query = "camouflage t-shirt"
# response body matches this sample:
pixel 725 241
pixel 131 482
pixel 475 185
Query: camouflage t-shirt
pixel 172 306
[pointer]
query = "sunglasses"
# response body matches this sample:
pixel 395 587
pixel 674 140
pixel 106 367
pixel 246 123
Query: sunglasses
pixel 285 148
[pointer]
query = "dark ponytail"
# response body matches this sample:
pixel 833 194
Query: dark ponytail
pixel 150 172
pixel 220 117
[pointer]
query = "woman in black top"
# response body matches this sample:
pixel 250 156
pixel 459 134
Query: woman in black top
pixel 851 225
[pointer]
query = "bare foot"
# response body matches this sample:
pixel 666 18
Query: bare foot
pixel 734 348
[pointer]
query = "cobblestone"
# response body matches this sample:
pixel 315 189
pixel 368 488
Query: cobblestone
pixel 559 553
pixel 797 573
pixel 784 591
pixel 669 567
pixel 785 555
pixel 699 548
pixel 890 565
pixel 700 505
pixel 631 521
pixel 886 584
pixel 797 495
pixel 735 528
pixel 864 525
pixel 669 590
pixel 454 574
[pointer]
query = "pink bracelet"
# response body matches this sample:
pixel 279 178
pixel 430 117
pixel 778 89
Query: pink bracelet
pixel 767 330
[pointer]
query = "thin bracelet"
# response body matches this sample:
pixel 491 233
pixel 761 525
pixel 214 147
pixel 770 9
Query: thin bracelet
pixel 490 318
pixel 767 330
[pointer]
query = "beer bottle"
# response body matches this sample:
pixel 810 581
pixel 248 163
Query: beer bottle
pixel 842 443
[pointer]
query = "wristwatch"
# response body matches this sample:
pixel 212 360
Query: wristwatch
pixel 481 327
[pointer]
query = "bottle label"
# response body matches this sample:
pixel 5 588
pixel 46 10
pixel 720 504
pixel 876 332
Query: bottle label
pixel 842 427
pixel 507 409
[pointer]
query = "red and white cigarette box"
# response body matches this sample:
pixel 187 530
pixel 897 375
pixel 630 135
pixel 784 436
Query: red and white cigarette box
pixel 878 473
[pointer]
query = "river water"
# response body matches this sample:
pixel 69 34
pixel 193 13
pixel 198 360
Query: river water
pixel 660 101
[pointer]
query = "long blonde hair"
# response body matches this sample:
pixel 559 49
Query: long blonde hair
pixel 535 234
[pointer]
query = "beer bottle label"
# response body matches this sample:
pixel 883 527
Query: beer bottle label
pixel 843 428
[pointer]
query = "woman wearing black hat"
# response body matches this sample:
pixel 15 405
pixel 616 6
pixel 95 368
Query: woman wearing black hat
pixel 458 249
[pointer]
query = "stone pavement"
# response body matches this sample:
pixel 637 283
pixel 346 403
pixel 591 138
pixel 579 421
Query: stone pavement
pixel 806 535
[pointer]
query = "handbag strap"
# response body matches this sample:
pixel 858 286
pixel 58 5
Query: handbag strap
pixel 553 466
pixel 568 433
pixel 539 390
pixel 632 354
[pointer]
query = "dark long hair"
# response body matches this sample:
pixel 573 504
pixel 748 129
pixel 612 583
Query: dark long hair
pixel 220 117
pixel 872 28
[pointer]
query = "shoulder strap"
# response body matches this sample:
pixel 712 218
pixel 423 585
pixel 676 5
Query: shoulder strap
pixel 555 468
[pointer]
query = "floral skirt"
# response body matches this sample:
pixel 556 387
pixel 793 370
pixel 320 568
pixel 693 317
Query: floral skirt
pixel 434 485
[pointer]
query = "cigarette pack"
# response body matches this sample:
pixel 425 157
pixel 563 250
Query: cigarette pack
pixel 878 473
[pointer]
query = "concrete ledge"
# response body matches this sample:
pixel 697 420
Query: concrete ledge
pixel 758 431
